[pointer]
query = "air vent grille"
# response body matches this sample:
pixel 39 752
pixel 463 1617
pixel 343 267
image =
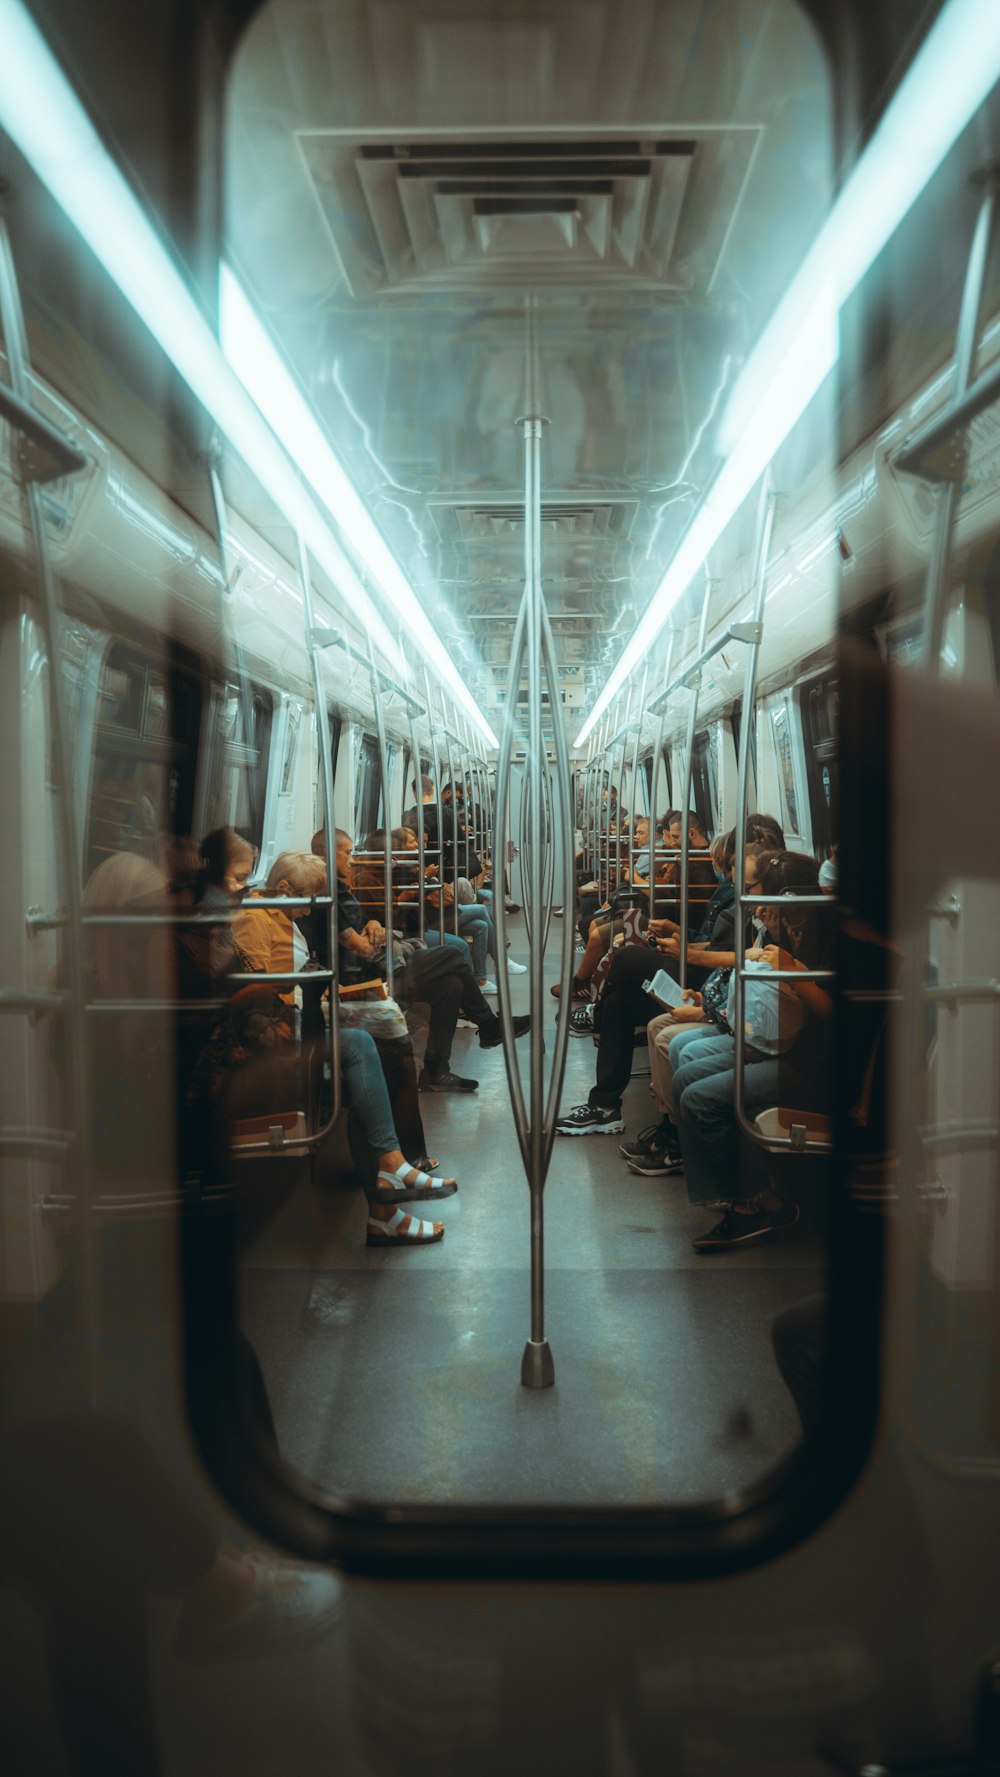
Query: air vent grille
pixel 611 519
pixel 486 212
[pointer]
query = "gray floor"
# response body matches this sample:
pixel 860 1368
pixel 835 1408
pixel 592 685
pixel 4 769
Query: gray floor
pixel 395 1375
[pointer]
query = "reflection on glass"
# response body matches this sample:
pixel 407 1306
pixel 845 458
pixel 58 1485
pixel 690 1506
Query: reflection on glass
pixel 394 199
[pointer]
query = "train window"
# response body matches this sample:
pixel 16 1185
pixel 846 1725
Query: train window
pixel 291 747
pixel 818 702
pixel 145 745
pixel 781 732
pixel 239 760
pixel 367 787
pixel 704 778
pixel 336 727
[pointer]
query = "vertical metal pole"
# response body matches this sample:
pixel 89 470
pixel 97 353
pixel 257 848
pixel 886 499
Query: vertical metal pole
pixel 654 787
pixel 949 496
pixel 437 797
pixel 621 785
pixel 76 1046
pixel 383 766
pixel 450 760
pixel 537 1368
pixel 635 762
pixel 415 768
pixel 688 773
pixel 765 527
pixel 329 829
pixel 464 764
pixel 243 683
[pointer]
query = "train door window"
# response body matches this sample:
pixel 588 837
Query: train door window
pixel 788 789
pixel 704 779
pixel 292 727
pixel 818 703
pixel 145 748
pixel 666 783
pixel 319 808
pixel 367 789
pixel 239 760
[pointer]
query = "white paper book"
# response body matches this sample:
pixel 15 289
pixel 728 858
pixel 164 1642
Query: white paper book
pixel 664 988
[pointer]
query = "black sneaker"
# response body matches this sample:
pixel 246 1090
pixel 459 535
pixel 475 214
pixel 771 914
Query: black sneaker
pixel 581 1021
pixel 654 1136
pixel 736 1230
pixel 590 1119
pixel 491 1035
pixel 656 1165
pixel 446 1081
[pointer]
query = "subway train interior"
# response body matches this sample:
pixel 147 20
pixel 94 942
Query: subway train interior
pixel 500 959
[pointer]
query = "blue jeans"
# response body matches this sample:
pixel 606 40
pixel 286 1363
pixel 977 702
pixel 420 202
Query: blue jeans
pixel 366 1088
pixel 474 922
pixel 432 937
pixel 719 1167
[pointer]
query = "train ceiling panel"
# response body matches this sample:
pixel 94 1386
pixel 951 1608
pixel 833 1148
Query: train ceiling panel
pixel 406 179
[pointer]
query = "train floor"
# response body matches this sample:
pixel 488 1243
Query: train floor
pixel 395 1376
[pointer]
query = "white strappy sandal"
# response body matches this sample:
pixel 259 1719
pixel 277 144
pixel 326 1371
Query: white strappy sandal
pixel 395 1187
pixel 392 1232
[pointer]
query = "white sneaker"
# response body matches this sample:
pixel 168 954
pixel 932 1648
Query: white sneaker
pixel 514 968
pixel 488 987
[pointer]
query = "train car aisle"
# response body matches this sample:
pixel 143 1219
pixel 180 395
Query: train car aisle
pixel 394 1376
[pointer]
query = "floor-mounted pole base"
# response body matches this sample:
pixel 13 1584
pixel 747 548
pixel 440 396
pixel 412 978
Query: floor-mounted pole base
pixel 537 1367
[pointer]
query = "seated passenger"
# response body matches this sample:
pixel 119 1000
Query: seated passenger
pixel 721 1169
pixel 623 1005
pixel 474 924
pixel 602 931
pixel 269 939
pixel 439 978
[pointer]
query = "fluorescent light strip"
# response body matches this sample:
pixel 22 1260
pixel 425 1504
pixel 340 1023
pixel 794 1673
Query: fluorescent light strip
pixel 952 74
pixel 253 355
pixel 42 115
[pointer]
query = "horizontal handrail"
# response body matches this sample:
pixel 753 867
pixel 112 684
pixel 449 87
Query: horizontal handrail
pixel 959 1134
pixel 31 999
pixel 66 458
pixel 737 632
pixel 136 1204
pixel 910 458
pixel 967 991
pixel 751 899
pixel 34 1144
pixel 335 638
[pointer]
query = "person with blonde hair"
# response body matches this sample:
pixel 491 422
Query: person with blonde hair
pixel 268 938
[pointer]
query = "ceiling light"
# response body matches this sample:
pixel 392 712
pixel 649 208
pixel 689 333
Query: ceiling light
pixel 42 115
pixel 263 372
pixel 955 69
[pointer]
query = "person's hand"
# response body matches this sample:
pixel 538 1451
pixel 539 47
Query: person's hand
pixel 691 996
pixel 688 1014
pixel 374 932
pixel 669 946
pixel 777 958
pixel 449 894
